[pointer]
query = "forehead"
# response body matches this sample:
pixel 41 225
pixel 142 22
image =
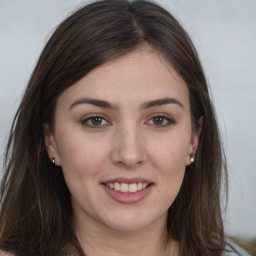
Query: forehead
pixel 138 76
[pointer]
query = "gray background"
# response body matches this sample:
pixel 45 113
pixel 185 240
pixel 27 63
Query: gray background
pixel 224 32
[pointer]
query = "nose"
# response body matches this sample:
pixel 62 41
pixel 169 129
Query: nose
pixel 128 149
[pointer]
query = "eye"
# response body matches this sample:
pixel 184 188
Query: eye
pixel 95 121
pixel 161 121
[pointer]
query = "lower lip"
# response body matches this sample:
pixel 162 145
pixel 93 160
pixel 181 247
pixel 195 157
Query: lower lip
pixel 128 198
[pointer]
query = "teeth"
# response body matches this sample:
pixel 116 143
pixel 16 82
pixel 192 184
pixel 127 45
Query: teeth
pixel 144 185
pixel 127 188
pixel 116 186
pixel 133 188
pixel 124 187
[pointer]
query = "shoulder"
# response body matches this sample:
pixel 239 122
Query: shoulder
pixel 230 251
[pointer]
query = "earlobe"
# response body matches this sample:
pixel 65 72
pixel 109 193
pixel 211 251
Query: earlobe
pixel 50 146
pixel 194 142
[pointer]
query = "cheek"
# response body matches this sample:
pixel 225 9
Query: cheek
pixel 81 163
pixel 80 157
pixel 169 158
pixel 170 152
pixel 171 166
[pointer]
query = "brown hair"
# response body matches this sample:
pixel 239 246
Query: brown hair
pixel 36 212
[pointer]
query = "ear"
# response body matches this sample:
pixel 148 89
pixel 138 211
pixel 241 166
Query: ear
pixel 194 141
pixel 50 145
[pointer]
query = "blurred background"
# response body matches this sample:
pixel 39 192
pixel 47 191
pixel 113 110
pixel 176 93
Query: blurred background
pixel 224 33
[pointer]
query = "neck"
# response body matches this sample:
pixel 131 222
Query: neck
pixel 98 239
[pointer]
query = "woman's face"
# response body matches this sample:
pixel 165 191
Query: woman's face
pixel 123 138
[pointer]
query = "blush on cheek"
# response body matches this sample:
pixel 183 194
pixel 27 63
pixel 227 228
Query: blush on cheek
pixel 172 157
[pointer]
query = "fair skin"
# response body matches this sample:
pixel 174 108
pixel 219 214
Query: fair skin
pixel 126 124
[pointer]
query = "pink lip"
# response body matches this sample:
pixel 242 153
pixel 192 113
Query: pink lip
pixel 128 198
pixel 128 181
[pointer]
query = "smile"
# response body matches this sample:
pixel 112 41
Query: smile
pixel 127 188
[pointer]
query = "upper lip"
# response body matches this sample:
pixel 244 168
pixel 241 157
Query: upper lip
pixel 128 180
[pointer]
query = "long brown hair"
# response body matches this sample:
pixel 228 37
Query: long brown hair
pixel 36 213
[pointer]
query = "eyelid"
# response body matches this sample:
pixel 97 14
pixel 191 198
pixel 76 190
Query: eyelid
pixel 91 116
pixel 170 120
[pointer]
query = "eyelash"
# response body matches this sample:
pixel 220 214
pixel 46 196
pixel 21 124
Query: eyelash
pixel 167 120
pixel 85 122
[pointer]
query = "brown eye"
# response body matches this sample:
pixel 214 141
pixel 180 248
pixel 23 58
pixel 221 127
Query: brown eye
pixel 161 121
pixel 158 120
pixel 97 120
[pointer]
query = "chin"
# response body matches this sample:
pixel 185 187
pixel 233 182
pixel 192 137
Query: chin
pixel 130 222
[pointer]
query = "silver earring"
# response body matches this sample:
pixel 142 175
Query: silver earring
pixel 53 160
pixel 192 158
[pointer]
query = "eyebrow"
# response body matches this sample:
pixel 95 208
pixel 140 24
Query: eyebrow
pixel 95 102
pixel 160 102
pixel 107 105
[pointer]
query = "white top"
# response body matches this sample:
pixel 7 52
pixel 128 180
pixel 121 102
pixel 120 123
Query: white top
pixel 241 251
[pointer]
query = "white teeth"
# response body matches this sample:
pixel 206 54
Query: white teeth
pixel 125 188
pixel 133 188
pixel 116 186
pixel 144 185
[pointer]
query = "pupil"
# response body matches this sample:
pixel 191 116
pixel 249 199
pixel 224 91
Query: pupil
pixel 158 120
pixel 96 120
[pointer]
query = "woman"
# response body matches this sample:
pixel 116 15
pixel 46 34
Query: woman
pixel 115 148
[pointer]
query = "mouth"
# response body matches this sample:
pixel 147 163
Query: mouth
pixel 127 188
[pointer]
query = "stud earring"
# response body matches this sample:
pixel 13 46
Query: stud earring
pixel 192 158
pixel 53 160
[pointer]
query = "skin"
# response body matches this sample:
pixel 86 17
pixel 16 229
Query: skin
pixel 128 141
